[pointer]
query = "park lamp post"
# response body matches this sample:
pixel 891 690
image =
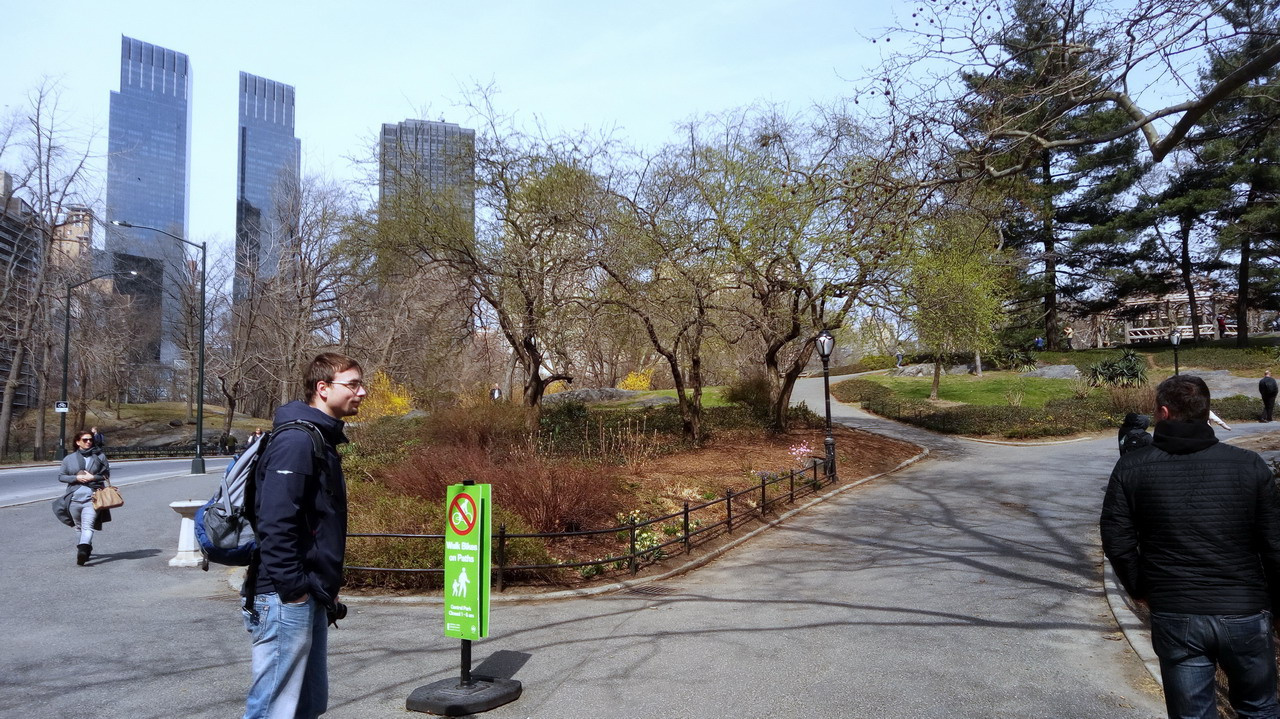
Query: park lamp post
pixel 1176 338
pixel 197 462
pixel 826 343
pixel 66 352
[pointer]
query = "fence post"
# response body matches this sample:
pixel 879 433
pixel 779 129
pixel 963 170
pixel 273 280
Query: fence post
pixel 502 555
pixel 686 527
pixel 634 563
pixel 792 476
pixel 728 508
pixel 763 501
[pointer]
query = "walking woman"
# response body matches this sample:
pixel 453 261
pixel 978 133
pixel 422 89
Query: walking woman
pixel 83 471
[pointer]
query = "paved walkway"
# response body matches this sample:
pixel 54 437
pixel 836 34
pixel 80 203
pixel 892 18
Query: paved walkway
pixel 968 585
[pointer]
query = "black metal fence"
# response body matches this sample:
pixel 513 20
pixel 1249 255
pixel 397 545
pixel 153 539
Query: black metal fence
pixel 643 539
pixel 119 452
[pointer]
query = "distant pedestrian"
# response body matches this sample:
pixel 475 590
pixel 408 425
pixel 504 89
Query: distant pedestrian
pixel 98 440
pixel 1038 344
pixel 897 358
pixel 257 435
pixel 1069 335
pixel 1267 388
pixel 1191 526
pixel 83 470
pixel 1222 326
pixel 495 392
pixel 1133 432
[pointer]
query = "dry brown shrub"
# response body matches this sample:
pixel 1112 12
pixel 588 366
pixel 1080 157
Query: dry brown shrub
pixel 1132 399
pixel 491 426
pixel 550 496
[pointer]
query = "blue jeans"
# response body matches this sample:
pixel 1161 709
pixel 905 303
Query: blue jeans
pixel 290 657
pixel 1192 646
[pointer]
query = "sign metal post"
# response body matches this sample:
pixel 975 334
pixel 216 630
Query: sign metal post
pixel 467 547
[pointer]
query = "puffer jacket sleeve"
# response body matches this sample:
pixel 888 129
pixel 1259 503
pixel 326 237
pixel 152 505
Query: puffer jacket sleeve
pixel 1267 539
pixel 1120 537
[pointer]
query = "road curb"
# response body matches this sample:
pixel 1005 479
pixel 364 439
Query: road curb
pixel 1135 631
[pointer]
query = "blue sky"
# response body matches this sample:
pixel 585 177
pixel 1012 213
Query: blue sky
pixel 638 68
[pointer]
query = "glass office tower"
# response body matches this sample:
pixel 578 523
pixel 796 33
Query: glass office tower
pixel 435 159
pixel 267 200
pixel 148 171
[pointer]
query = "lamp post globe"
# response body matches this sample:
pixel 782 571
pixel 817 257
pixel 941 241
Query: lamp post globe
pixel 826 343
pixel 66 355
pixel 1175 338
pixel 197 462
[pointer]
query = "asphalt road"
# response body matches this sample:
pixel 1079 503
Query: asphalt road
pixel 967 585
pixel 20 485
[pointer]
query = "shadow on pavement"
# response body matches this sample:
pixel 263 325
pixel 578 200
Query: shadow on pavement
pixel 119 556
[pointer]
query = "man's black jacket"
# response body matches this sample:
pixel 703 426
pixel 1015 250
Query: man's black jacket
pixel 1193 525
pixel 301 510
pixel 1267 387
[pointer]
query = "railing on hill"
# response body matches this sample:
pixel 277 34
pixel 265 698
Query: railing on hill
pixel 642 541
pixel 119 452
pixel 186 450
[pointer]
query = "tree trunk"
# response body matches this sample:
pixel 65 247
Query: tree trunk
pixel 1242 291
pixel 1184 267
pixel 1050 259
pixel 11 393
pixel 977 363
pixel 937 377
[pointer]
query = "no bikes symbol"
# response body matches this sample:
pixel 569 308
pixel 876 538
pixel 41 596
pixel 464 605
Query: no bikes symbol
pixel 462 514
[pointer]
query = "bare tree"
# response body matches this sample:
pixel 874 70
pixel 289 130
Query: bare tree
pixel 1130 57
pixel 48 169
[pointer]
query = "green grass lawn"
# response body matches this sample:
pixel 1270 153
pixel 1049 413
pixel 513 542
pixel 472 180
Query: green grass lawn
pixel 711 396
pixel 992 389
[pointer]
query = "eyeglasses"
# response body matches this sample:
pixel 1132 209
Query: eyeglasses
pixel 354 385
pixel 84 439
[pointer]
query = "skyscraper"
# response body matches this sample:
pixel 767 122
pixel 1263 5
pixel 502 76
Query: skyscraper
pixel 267 182
pixel 428 159
pixel 148 171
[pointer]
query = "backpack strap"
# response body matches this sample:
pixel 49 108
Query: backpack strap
pixel 317 458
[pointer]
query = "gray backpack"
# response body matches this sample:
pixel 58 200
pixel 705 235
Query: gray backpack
pixel 224 525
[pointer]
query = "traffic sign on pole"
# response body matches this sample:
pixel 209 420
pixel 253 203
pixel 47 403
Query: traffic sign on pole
pixel 61 406
pixel 468 536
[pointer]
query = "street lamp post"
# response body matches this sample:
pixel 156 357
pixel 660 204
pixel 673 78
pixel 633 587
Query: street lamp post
pixel 1176 339
pixel 197 462
pixel 826 343
pixel 66 352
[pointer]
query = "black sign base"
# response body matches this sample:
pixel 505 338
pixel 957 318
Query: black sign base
pixel 449 697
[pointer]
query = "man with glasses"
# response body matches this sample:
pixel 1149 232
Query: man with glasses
pixel 300 519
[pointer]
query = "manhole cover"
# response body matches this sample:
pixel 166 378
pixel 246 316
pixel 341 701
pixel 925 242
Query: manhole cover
pixel 650 590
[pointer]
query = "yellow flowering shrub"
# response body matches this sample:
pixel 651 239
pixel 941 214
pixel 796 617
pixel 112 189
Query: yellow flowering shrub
pixel 386 398
pixel 641 381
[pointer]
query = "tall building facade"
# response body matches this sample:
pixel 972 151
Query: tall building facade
pixel 267 200
pixel 428 159
pixel 148 182
pixel 21 256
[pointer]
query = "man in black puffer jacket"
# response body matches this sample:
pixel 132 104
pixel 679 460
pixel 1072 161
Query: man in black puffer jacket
pixel 1192 526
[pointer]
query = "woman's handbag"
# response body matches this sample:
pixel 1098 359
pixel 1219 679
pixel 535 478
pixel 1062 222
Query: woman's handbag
pixel 107 498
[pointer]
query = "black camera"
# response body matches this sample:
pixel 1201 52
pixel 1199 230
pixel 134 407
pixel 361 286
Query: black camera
pixel 336 611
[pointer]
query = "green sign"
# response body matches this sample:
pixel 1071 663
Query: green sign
pixel 467 541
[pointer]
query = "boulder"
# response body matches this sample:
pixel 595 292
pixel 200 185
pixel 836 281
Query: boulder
pixel 1055 371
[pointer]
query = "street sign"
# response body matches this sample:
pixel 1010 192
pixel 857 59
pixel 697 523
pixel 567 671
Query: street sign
pixel 467 542
pixel 61 406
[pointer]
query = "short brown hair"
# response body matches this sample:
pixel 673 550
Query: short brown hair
pixel 323 369
pixel 1186 396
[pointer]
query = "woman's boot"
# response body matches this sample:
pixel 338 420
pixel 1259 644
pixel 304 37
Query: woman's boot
pixel 82 553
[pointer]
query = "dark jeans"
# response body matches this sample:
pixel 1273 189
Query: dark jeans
pixel 1268 404
pixel 1192 646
